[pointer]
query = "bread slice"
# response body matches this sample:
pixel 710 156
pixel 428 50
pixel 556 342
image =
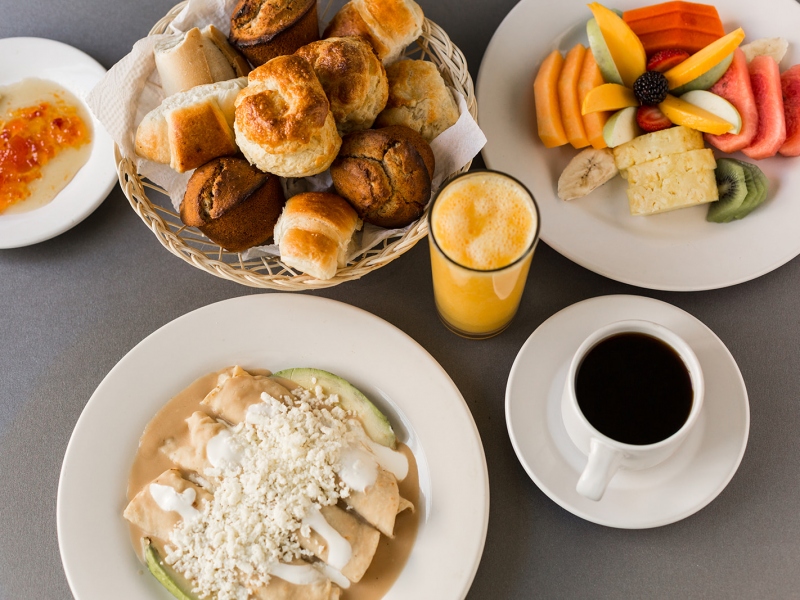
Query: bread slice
pixel 651 146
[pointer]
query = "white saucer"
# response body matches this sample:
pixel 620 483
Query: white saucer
pixel 669 492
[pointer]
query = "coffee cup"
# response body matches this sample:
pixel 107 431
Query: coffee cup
pixel 633 392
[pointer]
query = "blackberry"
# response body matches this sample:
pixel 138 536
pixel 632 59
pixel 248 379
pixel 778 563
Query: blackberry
pixel 650 88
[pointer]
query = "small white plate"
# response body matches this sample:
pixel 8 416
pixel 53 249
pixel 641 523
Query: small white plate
pixel 669 492
pixel 677 251
pixel 276 331
pixel 24 58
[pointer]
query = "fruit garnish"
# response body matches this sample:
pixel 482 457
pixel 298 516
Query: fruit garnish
pixel 588 170
pixel 716 105
pixel 664 60
pixel 625 48
pixel 548 111
pixel 704 59
pixel 650 88
pixel 609 96
pixel 689 115
pixel 650 118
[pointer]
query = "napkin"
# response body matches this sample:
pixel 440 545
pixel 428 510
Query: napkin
pixel 132 88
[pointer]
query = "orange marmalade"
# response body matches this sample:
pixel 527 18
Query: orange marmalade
pixel 30 137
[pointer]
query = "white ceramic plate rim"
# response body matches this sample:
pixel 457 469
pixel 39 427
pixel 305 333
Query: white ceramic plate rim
pixel 676 251
pixel 26 57
pixel 282 331
pixel 698 472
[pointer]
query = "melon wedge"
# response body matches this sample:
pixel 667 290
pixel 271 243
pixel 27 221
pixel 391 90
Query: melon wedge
pixel 568 97
pixel 735 87
pixel 590 78
pixel 625 48
pixel 681 112
pixel 704 60
pixel 609 96
pixel 545 96
pixel 790 84
pixel 765 78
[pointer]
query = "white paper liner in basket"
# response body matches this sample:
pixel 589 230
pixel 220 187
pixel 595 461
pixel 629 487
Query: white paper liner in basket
pixel 132 88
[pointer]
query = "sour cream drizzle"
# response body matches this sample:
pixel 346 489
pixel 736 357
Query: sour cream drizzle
pixel 297 574
pixel 168 499
pixel 359 468
pixel 339 549
pixel 220 451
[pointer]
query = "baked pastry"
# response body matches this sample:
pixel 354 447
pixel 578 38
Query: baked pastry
pixel 197 58
pixel 418 98
pixel 190 128
pixel 385 174
pixel 314 233
pixel 283 120
pixel 234 204
pixel 264 29
pixel 353 79
pixel 388 25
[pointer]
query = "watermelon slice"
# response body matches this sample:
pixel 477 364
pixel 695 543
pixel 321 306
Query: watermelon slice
pixel 765 77
pixel 790 84
pixel 735 87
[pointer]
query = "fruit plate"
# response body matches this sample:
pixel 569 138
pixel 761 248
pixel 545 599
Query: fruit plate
pixel 403 380
pixel 678 251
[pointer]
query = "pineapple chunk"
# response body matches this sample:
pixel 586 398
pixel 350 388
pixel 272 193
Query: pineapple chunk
pixel 652 172
pixel 673 190
pixel 656 145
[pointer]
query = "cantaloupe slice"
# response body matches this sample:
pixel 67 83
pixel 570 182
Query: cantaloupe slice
pixel 625 48
pixel 545 96
pixel 609 96
pixel 568 97
pixel 705 59
pixel 681 112
pixel 593 123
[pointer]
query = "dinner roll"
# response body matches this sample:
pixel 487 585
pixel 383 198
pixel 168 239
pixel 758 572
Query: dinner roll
pixel 314 233
pixel 234 204
pixel 283 120
pixel 388 25
pixel 262 30
pixel 353 79
pixel 190 128
pixel 418 98
pixel 385 174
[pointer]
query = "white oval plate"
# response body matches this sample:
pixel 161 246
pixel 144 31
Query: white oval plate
pixel 424 405
pixel 680 486
pixel 676 251
pixel 23 58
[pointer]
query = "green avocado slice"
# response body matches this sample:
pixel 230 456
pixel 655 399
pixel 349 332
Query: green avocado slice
pixel 351 399
pixel 161 573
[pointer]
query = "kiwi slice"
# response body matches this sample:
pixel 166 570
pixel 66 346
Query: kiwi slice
pixel 758 181
pixel 732 186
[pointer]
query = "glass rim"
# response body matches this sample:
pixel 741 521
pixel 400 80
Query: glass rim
pixel 522 256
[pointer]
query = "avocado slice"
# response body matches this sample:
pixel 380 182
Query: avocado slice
pixel 162 573
pixel 351 399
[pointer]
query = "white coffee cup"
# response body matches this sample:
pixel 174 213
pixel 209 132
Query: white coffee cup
pixel 606 455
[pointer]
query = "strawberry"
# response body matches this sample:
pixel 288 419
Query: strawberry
pixel 664 60
pixel 650 118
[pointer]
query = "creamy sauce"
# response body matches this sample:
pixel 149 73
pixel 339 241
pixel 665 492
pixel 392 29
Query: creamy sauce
pixel 170 422
pixel 45 135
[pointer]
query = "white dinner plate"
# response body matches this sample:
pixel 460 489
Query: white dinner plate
pixel 276 331
pixel 677 251
pixel 24 58
pixel 680 486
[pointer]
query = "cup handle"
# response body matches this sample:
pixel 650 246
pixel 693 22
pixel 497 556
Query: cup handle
pixel 603 463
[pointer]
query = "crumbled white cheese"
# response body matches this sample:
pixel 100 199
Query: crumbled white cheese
pixel 289 458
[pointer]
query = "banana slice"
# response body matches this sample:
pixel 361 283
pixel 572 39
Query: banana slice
pixel 590 169
pixel 774 47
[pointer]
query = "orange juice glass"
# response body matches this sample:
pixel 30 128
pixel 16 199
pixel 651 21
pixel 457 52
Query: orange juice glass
pixel 484 226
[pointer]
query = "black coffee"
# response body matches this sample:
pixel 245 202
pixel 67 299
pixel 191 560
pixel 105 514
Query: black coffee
pixel 634 388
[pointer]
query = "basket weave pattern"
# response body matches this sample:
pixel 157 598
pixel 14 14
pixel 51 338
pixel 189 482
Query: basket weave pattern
pixel 269 272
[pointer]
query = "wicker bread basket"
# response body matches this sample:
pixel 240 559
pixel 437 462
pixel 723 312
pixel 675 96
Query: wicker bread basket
pixel 269 272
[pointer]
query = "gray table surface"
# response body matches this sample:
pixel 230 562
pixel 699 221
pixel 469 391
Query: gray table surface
pixel 71 307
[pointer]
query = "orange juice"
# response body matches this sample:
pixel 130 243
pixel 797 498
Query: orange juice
pixel 484 227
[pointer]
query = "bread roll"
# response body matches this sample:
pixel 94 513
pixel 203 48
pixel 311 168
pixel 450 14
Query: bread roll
pixel 388 25
pixel 264 29
pixel 385 174
pixel 283 120
pixel 314 233
pixel 190 128
pixel 197 58
pixel 418 98
pixel 234 204
pixel 353 79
